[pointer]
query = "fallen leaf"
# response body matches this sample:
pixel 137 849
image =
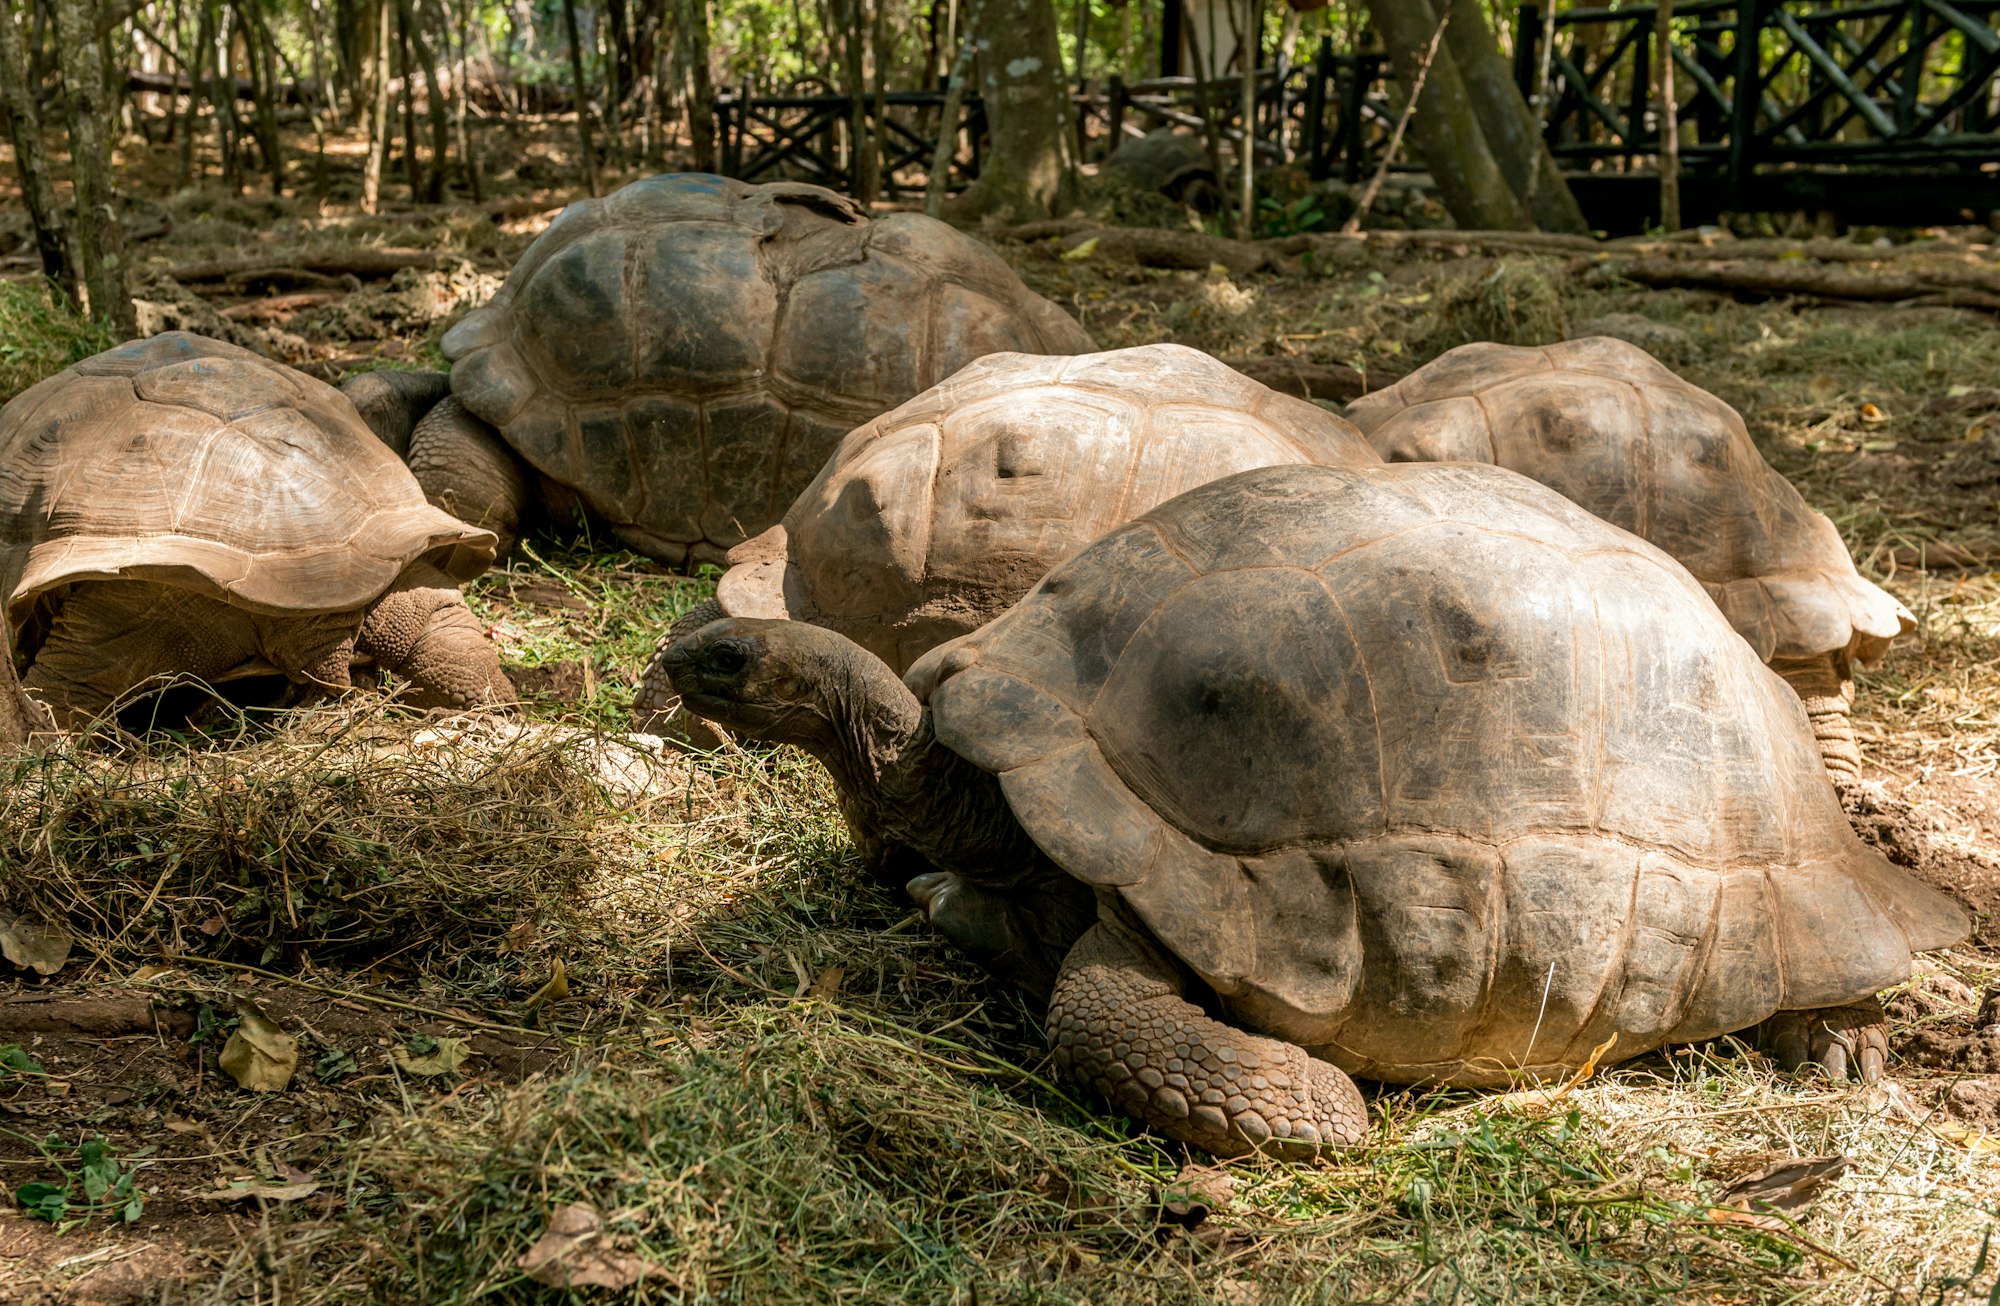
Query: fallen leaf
pixel 1872 415
pixel 569 1254
pixel 34 945
pixel 1730 1215
pixel 431 1056
pixel 1787 1185
pixel 520 937
pixel 828 983
pixel 1972 1140
pixel 243 1190
pixel 1197 1192
pixel 553 990
pixel 1083 250
pixel 259 1056
pixel 1877 446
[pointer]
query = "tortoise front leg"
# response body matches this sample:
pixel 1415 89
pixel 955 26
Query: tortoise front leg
pixel 1020 932
pixel 422 630
pixel 1120 1025
pixel 1825 685
pixel 465 468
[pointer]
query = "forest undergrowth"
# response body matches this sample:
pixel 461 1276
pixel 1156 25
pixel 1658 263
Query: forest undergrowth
pixel 555 999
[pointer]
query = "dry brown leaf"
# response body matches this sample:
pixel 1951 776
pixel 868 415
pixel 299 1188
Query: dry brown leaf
pixel 243 1190
pixel 828 983
pixel 1196 1193
pixel 1787 1185
pixel 571 1254
pixel 443 1059
pixel 259 1055
pixel 33 944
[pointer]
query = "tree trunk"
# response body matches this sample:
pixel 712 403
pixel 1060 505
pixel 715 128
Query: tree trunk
pixel 1506 122
pixel 468 159
pixel 378 115
pixel 581 90
pixel 693 47
pixel 1446 121
pixel 190 164
pixel 1029 172
pixel 100 240
pixel 222 99
pixel 24 122
pixel 262 51
pixel 434 104
pixel 947 138
pixel 413 167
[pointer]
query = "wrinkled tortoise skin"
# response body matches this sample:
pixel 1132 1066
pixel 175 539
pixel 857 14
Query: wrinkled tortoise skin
pixel 686 352
pixel 933 519
pixel 1429 772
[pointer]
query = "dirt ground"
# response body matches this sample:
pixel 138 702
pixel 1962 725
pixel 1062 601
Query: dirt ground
pixel 731 985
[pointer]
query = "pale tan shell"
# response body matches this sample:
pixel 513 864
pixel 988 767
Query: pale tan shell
pixel 931 520
pixel 684 353
pixel 1606 425
pixel 1431 772
pixel 194 463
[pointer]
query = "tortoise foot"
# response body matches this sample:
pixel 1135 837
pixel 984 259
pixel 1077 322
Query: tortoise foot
pixel 1848 1043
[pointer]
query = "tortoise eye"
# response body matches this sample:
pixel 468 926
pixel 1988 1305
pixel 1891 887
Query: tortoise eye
pixel 729 659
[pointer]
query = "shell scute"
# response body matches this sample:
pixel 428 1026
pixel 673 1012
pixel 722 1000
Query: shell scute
pixel 195 463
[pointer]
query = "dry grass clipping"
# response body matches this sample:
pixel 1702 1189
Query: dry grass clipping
pixel 333 835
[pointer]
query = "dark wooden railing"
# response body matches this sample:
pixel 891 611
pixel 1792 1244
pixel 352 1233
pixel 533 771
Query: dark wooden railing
pixel 1883 110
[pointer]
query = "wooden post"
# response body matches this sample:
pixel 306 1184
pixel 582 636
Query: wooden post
pixel 1353 136
pixel 1670 119
pixel 1170 38
pixel 1114 93
pixel 1743 110
pixel 1642 86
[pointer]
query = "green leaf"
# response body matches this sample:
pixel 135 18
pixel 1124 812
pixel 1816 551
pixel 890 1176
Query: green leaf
pixel 100 1169
pixel 133 1208
pixel 43 1201
pixel 16 1062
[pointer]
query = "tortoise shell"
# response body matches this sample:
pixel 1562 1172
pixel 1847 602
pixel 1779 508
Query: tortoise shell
pixel 685 352
pixel 191 462
pixel 933 519
pixel 1607 426
pixel 1431 772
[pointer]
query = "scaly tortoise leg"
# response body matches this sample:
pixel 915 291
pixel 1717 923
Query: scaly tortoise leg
pixel 465 468
pixel 656 708
pixel 422 630
pixel 1850 1042
pixel 1121 1026
pixel 1825 685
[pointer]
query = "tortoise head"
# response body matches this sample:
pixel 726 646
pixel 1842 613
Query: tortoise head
pixel 782 681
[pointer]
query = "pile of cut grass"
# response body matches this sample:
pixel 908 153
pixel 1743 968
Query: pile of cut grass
pixel 351 831
pixel 41 335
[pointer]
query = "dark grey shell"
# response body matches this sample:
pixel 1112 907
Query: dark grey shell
pixel 1431 772
pixel 685 353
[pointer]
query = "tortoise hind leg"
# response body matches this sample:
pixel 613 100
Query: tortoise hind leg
pixel 422 630
pixel 1847 1042
pixel 466 469
pixel 1825 685
pixel 1121 1025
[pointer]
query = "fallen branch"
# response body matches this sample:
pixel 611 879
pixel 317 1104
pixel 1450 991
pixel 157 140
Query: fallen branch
pixel 1303 379
pixel 1151 247
pixel 1969 287
pixel 278 308
pixel 354 262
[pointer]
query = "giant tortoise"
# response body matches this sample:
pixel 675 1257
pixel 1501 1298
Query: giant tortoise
pixel 182 507
pixel 683 354
pixel 1415 773
pixel 1608 426
pixel 933 519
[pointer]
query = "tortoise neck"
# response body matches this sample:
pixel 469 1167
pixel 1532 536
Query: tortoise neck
pixel 903 788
